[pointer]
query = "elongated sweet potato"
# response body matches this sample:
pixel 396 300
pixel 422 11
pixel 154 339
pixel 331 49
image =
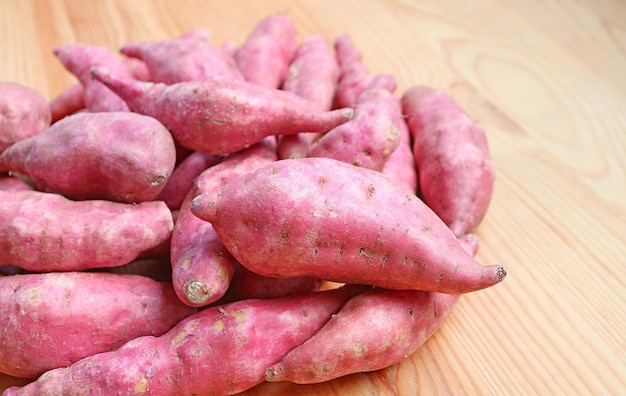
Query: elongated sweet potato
pixel 313 75
pixel 400 165
pixel 44 232
pixel 370 137
pixel 117 156
pixel 78 58
pixel 68 102
pixel 221 350
pixel 182 59
pixel 456 175
pixel 375 329
pixel 24 112
pixel 202 268
pixel 354 76
pixel 324 218
pixel 220 116
pixel 247 284
pixel 265 55
pixel 54 319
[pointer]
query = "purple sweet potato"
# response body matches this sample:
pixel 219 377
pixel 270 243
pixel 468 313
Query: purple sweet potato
pixel 44 232
pixel 181 180
pixel 327 219
pixel 202 268
pixel 54 319
pixel 370 137
pixel 182 59
pixel 78 58
pixel 354 76
pixel 313 75
pixel 265 55
pixel 24 112
pixel 456 175
pixel 375 329
pixel 118 156
pixel 220 116
pixel 221 350
pixel 68 102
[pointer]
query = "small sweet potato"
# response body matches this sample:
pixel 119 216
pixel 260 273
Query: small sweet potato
pixel 219 115
pixel 400 165
pixel 354 76
pixel 118 156
pixel 370 137
pixel 327 219
pixel 265 55
pixel 181 179
pixel 44 232
pixel 182 59
pixel 456 175
pixel 313 75
pixel 247 284
pixel 202 268
pixel 24 112
pixel 13 183
pixel 221 350
pixel 54 319
pixel 69 101
pixel 78 58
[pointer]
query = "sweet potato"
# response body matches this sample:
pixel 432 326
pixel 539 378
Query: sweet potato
pixel 182 59
pixel 327 219
pixel 400 165
pixel 118 156
pixel 265 55
pixel 78 58
pixel 45 232
pixel 375 329
pixel 24 112
pixel 202 268
pixel 221 350
pixel 456 175
pixel 181 179
pixel 313 75
pixel 220 116
pixel 247 284
pixel 69 101
pixel 12 183
pixel 354 76
pixel 370 137
pixel 54 319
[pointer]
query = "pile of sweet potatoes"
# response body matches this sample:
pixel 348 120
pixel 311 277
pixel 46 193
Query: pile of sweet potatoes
pixel 193 218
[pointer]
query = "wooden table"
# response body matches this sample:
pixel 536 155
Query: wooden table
pixel 547 79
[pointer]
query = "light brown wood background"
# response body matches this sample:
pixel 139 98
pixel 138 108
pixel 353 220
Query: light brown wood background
pixel 546 78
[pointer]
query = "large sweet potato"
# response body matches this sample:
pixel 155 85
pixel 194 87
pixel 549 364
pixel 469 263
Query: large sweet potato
pixel 47 232
pixel 219 115
pixel 456 175
pixel 54 319
pixel 221 350
pixel 324 218
pixel 118 156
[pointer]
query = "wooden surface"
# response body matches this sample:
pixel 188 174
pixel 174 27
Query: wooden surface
pixel 547 79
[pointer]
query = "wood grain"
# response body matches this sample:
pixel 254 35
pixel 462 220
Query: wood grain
pixel 546 78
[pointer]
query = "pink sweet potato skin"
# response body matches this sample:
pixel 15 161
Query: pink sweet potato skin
pixel 78 58
pixel 456 174
pixel 374 330
pixel 400 165
pixel 181 180
pixel 12 183
pixel 222 116
pixel 182 59
pixel 331 220
pixel 68 102
pixel 354 76
pixel 44 232
pixel 265 55
pixel 247 284
pixel 117 156
pixel 313 75
pixel 54 319
pixel 370 137
pixel 222 350
pixel 202 267
pixel 24 112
